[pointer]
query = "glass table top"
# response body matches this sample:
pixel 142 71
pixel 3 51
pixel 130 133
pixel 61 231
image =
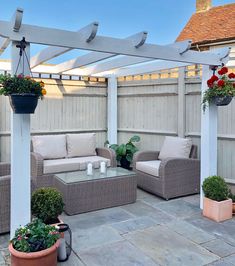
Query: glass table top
pixel 80 176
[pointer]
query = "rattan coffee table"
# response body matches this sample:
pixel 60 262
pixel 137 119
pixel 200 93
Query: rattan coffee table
pixel 83 193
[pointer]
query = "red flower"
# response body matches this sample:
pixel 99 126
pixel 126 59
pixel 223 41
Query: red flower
pixel 214 78
pixel 220 72
pixel 20 76
pixel 19 238
pixel 210 83
pixel 224 70
pixel 231 75
pixel 233 85
pixel 221 83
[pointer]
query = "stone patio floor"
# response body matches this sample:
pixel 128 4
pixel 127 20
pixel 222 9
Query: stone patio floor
pixel 149 232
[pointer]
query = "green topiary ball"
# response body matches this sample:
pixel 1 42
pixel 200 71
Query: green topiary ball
pixel 47 204
pixel 215 188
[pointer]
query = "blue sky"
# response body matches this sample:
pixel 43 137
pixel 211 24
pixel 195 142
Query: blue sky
pixel 163 19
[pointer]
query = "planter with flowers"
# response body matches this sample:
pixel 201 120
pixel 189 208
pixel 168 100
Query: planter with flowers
pixel 221 88
pixel 34 245
pixel 23 92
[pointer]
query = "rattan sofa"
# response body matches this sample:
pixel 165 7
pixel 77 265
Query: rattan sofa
pixel 66 158
pixel 176 177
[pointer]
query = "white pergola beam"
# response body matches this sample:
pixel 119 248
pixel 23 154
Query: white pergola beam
pixel 93 57
pixel 129 60
pixel 17 19
pixel 149 68
pixel 87 34
pixel 4 42
pixel 208 135
pixel 74 40
pixel 20 156
pixel 112 110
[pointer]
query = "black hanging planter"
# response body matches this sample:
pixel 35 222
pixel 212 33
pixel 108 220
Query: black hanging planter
pixel 222 100
pixel 24 103
pixel 125 163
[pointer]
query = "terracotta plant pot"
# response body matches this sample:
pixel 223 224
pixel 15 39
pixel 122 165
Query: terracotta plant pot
pixel 217 210
pixel 233 208
pixel 47 257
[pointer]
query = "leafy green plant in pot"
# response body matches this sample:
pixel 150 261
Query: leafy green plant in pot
pixel 216 204
pixel 125 152
pixel 47 204
pixel 35 244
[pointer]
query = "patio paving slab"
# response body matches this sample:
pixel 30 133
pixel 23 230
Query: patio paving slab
pixel 178 208
pixel 4 241
pixel 219 247
pixel 96 218
pixel 142 209
pixel 193 199
pixel 117 254
pixel 72 261
pixel 169 248
pixel 134 224
pixel 224 230
pixel 94 237
pixel 190 231
pixel 2 260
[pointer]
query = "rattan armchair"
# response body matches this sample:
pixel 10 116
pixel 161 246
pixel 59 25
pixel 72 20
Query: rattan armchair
pixel 4 197
pixel 177 176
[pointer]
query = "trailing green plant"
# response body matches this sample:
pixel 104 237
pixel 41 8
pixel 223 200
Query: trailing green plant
pixel 47 204
pixel 215 188
pixel 20 85
pixel 35 236
pixel 125 150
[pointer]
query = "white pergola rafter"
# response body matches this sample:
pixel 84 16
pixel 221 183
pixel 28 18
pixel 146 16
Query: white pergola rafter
pixel 94 57
pixel 182 47
pixel 175 55
pixel 88 33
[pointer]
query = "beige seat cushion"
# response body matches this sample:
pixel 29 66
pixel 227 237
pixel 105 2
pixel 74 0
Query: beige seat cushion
pixel 81 144
pixel 72 164
pixel 175 147
pixel 149 167
pixel 50 146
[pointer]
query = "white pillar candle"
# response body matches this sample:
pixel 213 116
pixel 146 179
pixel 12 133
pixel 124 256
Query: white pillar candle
pixel 102 168
pixel 89 169
pixel 62 250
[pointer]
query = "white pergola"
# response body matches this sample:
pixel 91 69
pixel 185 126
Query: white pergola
pixel 127 52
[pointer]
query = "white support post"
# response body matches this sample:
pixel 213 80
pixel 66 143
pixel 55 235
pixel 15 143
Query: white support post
pixel 208 136
pixel 112 109
pixel 181 102
pixel 20 156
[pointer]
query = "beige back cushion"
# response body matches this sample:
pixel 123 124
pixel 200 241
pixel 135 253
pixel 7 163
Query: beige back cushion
pixel 50 146
pixel 81 144
pixel 175 147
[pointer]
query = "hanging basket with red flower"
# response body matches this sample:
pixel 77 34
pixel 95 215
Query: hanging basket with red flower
pixel 221 88
pixel 23 92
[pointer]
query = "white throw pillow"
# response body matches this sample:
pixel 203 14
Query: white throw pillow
pixel 81 144
pixel 175 147
pixel 50 146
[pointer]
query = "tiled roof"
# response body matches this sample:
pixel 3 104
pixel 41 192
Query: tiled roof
pixel 215 24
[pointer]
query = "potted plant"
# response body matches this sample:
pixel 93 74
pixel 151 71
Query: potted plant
pixel 221 88
pixel 23 92
pixel 34 245
pixel 216 203
pixel 125 152
pixel 47 204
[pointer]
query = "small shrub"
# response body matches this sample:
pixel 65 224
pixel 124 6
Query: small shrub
pixel 47 204
pixel 215 188
pixel 232 196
